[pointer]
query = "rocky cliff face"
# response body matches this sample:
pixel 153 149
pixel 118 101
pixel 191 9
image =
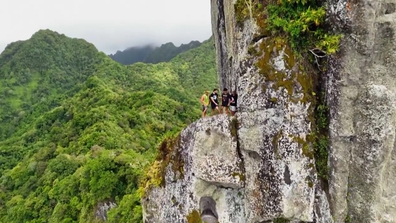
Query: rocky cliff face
pixel 360 88
pixel 260 167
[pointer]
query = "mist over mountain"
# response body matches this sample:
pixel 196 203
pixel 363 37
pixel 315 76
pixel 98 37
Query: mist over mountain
pixel 151 54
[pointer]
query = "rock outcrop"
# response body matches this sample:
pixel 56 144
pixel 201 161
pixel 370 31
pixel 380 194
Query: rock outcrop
pixel 260 166
pixel 102 208
pixel 212 167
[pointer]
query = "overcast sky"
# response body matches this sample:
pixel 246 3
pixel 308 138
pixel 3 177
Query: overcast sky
pixel 110 25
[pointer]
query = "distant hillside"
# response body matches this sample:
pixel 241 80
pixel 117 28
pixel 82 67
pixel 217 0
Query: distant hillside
pixel 78 129
pixel 150 54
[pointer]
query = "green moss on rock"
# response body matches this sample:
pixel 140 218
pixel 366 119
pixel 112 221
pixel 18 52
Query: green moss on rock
pixel 169 153
pixel 234 128
pixel 194 217
pixel 280 220
pixel 152 178
pixel 306 146
pixel 241 11
pixel 275 143
pixel 240 175
pixel 255 8
pixel 306 82
pixel 348 219
pixel 294 80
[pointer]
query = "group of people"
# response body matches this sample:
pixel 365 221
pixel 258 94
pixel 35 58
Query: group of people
pixel 228 101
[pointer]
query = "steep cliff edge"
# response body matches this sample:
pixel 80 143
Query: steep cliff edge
pixel 261 167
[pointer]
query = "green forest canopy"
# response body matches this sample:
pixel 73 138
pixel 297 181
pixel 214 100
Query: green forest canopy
pixel 77 128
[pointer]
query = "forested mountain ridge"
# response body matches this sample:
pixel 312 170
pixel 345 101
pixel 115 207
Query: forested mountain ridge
pixel 38 71
pixel 151 54
pixel 132 55
pixel 88 137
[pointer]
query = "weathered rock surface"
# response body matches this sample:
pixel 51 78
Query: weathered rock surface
pixel 102 208
pixel 360 88
pixel 212 167
pixel 276 113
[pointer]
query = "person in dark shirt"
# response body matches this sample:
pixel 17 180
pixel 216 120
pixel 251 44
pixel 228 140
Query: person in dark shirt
pixel 225 101
pixel 234 99
pixel 214 103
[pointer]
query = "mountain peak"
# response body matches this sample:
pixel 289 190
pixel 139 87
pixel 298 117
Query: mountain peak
pixel 43 48
pixel 42 32
pixel 150 54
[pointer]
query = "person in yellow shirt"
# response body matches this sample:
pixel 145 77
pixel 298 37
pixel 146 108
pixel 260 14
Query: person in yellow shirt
pixel 205 103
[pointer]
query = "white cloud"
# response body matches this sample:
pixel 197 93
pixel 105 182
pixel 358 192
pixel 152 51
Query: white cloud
pixel 110 25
